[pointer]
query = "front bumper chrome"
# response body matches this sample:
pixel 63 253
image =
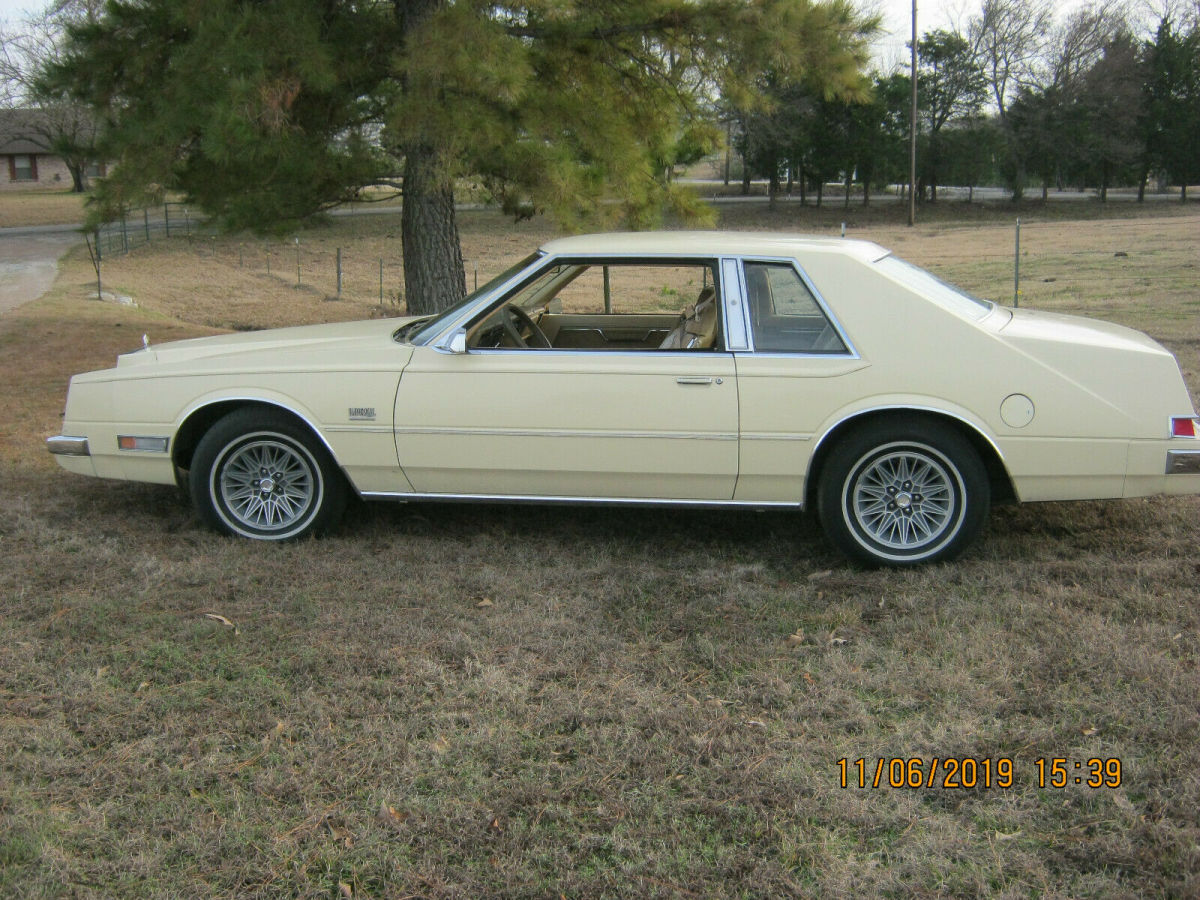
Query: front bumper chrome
pixel 1183 462
pixel 63 445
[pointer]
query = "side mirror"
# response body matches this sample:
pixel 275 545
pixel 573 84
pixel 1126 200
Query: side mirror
pixel 458 341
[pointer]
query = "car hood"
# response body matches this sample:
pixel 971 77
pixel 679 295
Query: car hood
pixel 255 349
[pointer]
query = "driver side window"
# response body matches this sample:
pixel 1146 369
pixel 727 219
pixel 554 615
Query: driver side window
pixel 591 305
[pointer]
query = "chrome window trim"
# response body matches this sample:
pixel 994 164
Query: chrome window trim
pixel 579 351
pixel 467 314
pixel 851 350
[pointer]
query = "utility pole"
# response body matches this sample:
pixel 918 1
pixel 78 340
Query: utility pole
pixel 912 129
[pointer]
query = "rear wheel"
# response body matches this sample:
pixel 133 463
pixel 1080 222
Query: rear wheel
pixel 903 493
pixel 260 475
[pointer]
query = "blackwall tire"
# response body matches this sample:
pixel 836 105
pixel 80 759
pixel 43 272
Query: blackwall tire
pixel 259 474
pixel 903 493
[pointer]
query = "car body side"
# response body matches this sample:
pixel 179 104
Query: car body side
pixel 1099 398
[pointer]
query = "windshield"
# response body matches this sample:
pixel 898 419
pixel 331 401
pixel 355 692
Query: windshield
pixel 928 285
pixel 430 328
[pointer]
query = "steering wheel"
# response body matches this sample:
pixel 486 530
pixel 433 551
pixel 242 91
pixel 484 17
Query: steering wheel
pixel 514 319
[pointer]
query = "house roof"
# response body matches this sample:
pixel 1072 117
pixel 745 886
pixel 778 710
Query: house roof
pixel 20 131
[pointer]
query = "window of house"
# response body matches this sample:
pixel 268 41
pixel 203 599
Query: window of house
pixel 22 167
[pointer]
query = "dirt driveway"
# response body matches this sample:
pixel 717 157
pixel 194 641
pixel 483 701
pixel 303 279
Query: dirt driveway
pixel 29 262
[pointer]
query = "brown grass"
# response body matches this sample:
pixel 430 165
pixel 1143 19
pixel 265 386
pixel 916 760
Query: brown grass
pixel 466 702
pixel 28 208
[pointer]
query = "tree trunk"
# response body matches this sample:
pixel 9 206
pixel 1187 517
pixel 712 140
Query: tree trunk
pixel 434 277
pixel 1183 193
pixel 79 183
pixel 846 200
pixel 773 187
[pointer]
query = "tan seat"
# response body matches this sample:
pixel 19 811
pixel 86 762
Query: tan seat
pixel 697 328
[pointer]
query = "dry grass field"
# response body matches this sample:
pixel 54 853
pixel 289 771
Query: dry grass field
pixel 442 701
pixel 40 208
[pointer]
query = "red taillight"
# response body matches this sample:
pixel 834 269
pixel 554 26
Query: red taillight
pixel 1184 426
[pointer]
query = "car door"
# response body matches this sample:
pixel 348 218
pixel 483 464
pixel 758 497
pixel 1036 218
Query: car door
pixel 795 366
pixel 617 423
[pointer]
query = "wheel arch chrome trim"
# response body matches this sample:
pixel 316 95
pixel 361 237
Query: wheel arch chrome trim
pixel 972 428
pixel 910 407
pixel 247 399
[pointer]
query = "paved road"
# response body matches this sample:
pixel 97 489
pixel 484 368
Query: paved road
pixel 29 262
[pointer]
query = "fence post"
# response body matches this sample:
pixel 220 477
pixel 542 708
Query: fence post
pixel 124 235
pixel 339 273
pixel 268 257
pixel 1017 268
pixel 146 222
pixel 381 281
pixel 167 217
pixel 297 262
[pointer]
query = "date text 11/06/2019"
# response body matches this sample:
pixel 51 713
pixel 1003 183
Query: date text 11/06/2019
pixel 970 773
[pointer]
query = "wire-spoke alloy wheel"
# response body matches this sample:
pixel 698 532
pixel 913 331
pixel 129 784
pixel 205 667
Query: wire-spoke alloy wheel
pixel 905 494
pixel 260 475
pixel 266 484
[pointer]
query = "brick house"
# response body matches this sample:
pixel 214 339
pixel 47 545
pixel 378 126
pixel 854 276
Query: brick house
pixel 26 161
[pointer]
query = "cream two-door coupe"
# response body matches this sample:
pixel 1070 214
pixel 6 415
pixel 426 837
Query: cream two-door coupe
pixel 672 368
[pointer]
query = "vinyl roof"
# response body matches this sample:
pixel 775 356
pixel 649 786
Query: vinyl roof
pixel 711 243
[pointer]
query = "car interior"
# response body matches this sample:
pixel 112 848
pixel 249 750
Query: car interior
pixel 594 306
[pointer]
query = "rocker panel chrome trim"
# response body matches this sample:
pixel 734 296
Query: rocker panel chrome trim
pixel 588 501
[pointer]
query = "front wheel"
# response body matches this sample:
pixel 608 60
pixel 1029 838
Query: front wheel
pixel 260 475
pixel 903 493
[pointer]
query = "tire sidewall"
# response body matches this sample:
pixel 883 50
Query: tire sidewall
pixel 853 455
pixel 234 433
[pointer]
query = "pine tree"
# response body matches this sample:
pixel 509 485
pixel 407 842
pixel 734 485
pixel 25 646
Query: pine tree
pixel 264 112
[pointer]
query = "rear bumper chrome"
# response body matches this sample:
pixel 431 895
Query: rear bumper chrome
pixel 63 445
pixel 1183 462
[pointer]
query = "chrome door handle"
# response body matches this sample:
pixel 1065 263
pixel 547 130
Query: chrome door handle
pixel 696 379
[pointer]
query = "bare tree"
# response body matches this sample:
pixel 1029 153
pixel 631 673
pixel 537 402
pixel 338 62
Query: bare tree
pixel 52 122
pixel 1078 43
pixel 1009 38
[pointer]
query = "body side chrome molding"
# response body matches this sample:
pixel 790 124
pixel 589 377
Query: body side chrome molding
pixel 568 433
pixel 587 501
